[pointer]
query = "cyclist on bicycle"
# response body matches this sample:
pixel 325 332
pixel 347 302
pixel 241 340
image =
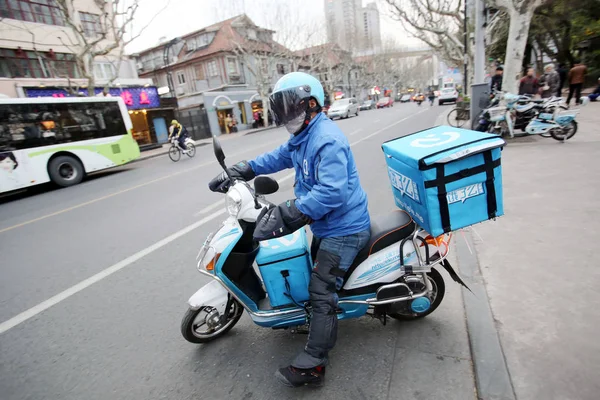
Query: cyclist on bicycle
pixel 178 132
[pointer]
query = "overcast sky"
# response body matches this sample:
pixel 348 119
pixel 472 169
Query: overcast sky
pixel 183 16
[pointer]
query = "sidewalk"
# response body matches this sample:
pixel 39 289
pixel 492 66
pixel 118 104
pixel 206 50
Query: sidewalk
pixel 202 142
pixel 537 264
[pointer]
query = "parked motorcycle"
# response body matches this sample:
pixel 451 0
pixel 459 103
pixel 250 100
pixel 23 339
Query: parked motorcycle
pixel 522 110
pixel 560 126
pixel 393 275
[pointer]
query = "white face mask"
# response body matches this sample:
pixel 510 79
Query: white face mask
pixel 294 125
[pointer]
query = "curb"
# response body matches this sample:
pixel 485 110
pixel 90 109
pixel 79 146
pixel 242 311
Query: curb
pixel 492 377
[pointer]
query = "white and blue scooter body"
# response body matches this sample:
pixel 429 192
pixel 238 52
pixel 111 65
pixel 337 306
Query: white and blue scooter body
pixel 378 270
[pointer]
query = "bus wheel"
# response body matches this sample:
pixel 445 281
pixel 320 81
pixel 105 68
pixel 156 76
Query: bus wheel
pixel 65 171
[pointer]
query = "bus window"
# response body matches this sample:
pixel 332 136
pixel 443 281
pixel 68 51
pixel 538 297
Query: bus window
pixel 25 126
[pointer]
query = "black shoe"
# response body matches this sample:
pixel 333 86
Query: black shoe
pixel 296 377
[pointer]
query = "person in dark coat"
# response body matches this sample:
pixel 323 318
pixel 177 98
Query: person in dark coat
pixel 549 82
pixel 496 83
pixel 563 71
pixel 529 84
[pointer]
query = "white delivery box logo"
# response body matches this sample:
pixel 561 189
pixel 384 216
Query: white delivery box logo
pixel 434 140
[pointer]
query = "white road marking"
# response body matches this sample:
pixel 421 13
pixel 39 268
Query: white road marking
pixel 54 300
pixel 127 190
pixel 355 132
pixel 377 120
pixel 210 208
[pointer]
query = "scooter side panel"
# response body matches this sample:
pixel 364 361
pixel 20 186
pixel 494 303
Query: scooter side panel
pixel 382 267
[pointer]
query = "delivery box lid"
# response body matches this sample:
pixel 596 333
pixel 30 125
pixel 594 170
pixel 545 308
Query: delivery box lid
pixel 440 144
pixel 283 248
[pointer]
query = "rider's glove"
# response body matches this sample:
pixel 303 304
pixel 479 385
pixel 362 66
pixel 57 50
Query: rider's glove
pixel 241 171
pixel 279 221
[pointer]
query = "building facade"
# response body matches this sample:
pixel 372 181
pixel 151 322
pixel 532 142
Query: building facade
pixel 371 29
pixel 38 50
pixel 352 27
pixel 226 69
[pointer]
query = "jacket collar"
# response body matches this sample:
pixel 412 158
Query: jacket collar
pixel 296 141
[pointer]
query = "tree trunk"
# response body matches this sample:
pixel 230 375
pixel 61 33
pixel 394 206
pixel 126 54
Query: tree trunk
pixel 517 40
pixel 88 73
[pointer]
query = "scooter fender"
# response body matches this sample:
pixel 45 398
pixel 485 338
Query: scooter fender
pixel 212 294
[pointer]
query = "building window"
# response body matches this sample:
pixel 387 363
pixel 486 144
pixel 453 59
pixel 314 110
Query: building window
pixel 264 65
pixel 90 24
pixel 232 66
pixel 281 69
pixel 180 77
pixel 31 64
pixel 212 68
pixel 104 71
pixel 41 11
pixel 251 34
pixel 200 73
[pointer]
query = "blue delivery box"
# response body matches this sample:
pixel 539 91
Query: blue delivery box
pixel 446 178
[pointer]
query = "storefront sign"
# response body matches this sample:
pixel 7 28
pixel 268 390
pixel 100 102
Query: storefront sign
pixel 135 98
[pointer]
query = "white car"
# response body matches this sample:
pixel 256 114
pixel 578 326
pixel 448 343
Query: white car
pixel 343 108
pixel 448 95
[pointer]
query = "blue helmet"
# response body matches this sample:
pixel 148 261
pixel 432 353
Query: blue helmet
pixel 290 100
pixel 296 79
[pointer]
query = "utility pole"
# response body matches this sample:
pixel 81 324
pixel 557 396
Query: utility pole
pixel 466 47
pixel 479 66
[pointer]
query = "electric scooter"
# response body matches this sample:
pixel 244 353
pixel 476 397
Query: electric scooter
pixel 393 276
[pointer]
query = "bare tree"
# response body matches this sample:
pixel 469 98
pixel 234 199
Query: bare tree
pixel 264 58
pixel 107 30
pixel 330 63
pixel 437 23
pixel 520 13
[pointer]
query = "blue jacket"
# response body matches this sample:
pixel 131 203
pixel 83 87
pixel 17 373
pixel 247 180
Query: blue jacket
pixel 327 187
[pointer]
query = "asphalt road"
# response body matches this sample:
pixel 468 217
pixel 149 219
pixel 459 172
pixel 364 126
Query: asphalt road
pixel 95 279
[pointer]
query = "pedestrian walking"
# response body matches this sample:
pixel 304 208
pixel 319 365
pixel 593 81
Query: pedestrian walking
pixel 496 83
pixel 576 78
pixel 529 83
pixel 234 127
pixel 431 97
pixel 549 82
pixel 563 71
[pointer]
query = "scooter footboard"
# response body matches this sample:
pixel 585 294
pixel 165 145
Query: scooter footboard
pixel 212 294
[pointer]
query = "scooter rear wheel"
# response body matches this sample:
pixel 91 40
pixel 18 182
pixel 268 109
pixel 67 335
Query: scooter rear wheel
pixel 203 326
pixel 439 288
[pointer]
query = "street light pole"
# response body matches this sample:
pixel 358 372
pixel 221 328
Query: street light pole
pixel 466 50
pixel 479 66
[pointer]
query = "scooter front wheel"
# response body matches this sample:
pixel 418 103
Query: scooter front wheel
pixel 205 324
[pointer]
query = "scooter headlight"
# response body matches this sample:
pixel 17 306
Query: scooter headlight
pixel 233 201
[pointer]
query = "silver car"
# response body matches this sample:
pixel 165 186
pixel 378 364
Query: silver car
pixel 343 108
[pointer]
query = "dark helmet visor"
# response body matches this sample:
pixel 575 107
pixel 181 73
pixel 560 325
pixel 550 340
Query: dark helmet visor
pixel 289 104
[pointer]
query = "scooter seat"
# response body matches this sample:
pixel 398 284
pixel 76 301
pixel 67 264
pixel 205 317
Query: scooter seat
pixel 385 230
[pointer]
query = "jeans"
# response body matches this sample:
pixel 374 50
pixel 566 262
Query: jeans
pixel 575 88
pixel 181 140
pixel 333 257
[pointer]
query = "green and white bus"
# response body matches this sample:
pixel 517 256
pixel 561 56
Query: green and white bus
pixel 61 139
